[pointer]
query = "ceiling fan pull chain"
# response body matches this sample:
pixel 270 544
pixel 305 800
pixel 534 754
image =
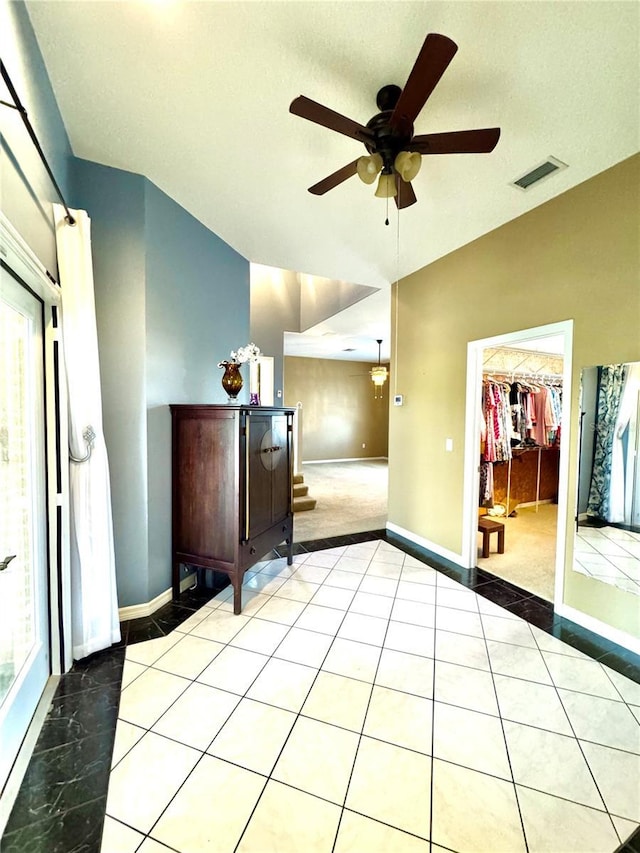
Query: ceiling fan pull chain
pixel 386 222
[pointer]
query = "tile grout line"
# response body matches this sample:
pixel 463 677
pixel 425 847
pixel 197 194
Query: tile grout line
pixel 433 713
pixel 577 740
pixel 298 713
pixel 504 734
pixel 203 752
pixel 364 719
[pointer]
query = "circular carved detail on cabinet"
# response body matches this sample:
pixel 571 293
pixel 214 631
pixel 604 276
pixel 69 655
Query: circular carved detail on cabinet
pixel 270 452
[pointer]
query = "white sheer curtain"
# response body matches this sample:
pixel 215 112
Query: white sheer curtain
pixel 94 603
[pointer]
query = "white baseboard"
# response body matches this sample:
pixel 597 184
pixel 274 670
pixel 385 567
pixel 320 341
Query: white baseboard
pixel 137 611
pixel 627 641
pixel 533 503
pixel 350 459
pixel 436 549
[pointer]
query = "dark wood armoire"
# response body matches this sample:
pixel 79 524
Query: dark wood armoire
pixel 232 485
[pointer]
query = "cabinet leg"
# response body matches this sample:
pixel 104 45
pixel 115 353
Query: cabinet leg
pixel 175 580
pixel 237 595
pixel 290 551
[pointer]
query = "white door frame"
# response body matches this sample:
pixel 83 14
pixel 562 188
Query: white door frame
pixel 472 441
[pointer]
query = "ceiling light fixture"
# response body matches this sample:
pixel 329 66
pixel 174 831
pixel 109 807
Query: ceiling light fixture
pixel 368 167
pixel 386 186
pixel 379 374
pixel 407 164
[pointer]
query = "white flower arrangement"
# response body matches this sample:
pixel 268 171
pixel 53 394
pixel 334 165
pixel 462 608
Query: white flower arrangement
pixel 250 352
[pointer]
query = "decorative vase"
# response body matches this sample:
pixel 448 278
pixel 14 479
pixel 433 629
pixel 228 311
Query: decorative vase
pixel 232 379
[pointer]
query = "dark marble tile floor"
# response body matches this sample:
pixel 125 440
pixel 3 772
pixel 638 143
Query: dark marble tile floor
pixel 61 804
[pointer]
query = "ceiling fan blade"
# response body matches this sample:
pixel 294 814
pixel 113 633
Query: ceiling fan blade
pixel 456 142
pixel 434 57
pixel 313 111
pixel 406 196
pixel 333 180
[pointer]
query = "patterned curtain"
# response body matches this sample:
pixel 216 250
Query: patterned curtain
pixel 610 382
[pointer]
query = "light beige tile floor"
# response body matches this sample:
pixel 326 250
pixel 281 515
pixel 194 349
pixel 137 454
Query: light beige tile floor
pixel 353 708
pixel 610 555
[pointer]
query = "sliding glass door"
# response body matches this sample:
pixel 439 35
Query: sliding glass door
pixel 24 625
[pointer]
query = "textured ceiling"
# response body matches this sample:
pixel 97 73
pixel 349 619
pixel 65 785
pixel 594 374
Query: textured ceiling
pixel 195 96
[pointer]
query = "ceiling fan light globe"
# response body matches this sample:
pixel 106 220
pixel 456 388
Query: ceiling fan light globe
pixel 407 164
pixel 386 186
pixel 368 167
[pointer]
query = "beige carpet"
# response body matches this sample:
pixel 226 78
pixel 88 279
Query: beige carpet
pixel 530 550
pixel 352 498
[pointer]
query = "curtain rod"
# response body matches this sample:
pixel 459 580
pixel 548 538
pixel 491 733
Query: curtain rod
pixel 17 105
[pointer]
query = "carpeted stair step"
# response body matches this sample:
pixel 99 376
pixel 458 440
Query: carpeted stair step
pixel 301 499
pixel 303 503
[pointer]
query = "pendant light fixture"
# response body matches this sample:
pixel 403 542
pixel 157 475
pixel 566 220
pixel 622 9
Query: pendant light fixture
pixel 379 374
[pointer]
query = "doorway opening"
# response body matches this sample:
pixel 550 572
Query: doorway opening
pixel 518 400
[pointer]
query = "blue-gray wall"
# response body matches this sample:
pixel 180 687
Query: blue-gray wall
pixel 26 192
pixel 197 311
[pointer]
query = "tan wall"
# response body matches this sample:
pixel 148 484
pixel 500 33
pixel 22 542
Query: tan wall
pixel 575 257
pixel 340 413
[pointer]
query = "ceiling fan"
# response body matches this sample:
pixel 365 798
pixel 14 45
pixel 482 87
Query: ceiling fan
pixel 394 152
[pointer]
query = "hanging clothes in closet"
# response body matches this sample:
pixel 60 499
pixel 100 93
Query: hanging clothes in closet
pixel 545 425
pixel 495 439
pixel 497 416
pixel 519 413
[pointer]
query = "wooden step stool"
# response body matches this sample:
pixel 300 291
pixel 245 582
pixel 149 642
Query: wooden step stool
pixel 487 526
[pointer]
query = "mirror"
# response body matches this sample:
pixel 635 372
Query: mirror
pixel 607 544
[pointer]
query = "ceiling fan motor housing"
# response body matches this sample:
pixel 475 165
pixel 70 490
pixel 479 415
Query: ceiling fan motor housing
pixel 388 142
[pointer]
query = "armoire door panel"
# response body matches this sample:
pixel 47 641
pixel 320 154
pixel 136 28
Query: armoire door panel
pixel 281 475
pixel 205 487
pixel 259 428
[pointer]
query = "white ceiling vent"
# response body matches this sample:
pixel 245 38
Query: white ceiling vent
pixel 550 166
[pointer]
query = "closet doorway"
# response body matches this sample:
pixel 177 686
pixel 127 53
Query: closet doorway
pixel 518 408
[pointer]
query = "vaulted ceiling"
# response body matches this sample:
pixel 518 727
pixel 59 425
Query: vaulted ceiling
pixel 195 95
